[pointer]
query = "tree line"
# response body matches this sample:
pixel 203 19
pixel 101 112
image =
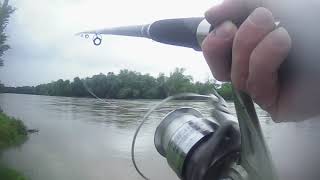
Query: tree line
pixel 125 85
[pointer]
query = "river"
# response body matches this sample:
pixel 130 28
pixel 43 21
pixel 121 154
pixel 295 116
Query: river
pixel 87 139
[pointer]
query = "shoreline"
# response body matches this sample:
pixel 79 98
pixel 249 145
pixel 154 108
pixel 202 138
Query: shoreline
pixel 12 133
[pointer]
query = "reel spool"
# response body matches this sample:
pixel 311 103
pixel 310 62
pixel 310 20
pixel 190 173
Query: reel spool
pixel 197 148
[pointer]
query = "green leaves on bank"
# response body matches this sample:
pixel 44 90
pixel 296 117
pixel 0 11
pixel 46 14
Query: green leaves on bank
pixel 9 174
pixel 126 85
pixel 12 132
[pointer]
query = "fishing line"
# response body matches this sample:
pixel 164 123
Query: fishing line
pixel 216 98
pixel 93 94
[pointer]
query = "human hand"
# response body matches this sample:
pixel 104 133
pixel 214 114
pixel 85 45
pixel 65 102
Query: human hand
pixel 250 56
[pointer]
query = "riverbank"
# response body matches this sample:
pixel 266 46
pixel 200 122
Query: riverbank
pixel 12 133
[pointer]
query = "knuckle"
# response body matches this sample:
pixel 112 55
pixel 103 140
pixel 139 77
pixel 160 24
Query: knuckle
pixel 208 48
pixel 261 19
pixel 208 44
pixel 243 40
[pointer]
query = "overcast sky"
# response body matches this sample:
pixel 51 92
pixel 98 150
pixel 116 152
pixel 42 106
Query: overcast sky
pixel 44 48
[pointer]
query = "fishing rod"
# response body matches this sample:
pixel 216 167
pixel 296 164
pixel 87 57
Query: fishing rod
pixel 197 148
pixel 185 32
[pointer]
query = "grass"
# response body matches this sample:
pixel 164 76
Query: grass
pixel 12 133
pixel 9 174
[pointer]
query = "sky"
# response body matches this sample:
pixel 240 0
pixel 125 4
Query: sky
pixel 44 47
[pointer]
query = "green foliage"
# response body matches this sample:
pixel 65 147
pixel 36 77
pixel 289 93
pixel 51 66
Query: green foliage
pixel 126 85
pixel 5 12
pixel 12 131
pixel 9 174
pixel 179 83
pixel 226 91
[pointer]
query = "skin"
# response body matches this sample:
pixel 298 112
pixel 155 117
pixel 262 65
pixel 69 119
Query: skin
pixel 250 51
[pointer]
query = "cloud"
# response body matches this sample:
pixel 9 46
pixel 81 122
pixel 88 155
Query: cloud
pixel 44 47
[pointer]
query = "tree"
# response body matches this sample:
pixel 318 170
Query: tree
pixel 2 88
pixel 77 88
pixel 113 85
pixel 5 13
pixel 162 86
pixel 98 85
pixel 178 82
pixel 126 85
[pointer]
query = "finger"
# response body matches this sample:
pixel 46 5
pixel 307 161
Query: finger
pixel 217 50
pixel 233 10
pixel 259 24
pixel 264 64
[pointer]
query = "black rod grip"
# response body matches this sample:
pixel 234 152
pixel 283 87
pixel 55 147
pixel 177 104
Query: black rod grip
pixel 178 32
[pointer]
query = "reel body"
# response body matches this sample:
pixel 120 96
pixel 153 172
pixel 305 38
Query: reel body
pixel 197 148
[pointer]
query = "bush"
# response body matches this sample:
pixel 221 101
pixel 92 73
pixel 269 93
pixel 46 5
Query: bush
pixel 9 174
pixel 12 131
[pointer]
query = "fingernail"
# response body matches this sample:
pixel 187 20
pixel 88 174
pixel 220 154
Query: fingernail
pixel 281 38
pixel 262 18
pixel 225 30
